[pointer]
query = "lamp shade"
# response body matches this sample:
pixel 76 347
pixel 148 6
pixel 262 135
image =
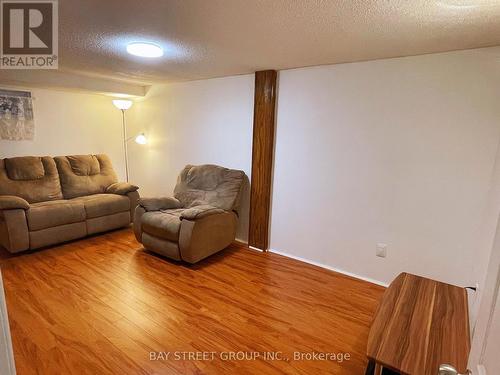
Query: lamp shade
pixel 122 104
pixel 141 139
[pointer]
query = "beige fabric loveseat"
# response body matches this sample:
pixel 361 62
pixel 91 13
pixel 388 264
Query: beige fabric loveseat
pixel 199 220
pixel 45 200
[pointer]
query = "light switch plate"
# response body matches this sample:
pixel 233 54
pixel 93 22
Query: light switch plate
pixel 381 250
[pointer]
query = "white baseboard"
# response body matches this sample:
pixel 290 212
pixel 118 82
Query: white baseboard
pixel 368 279
pixel 245 244
pixel 481 370
pixel 241 241
pixel 255 248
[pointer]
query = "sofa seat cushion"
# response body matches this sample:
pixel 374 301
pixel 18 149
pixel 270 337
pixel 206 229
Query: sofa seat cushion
pixel 50 214
pixel 165 224
pixel 98 205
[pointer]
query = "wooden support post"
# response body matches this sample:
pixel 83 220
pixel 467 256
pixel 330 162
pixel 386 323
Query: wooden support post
pixel 262 158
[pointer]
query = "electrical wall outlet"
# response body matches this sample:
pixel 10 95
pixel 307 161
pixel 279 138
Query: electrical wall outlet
pixel 381 250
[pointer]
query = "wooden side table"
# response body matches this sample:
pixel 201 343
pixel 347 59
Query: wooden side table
pixel 420 324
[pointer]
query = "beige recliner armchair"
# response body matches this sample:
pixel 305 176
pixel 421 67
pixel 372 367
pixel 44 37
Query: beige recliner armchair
pixel 200 219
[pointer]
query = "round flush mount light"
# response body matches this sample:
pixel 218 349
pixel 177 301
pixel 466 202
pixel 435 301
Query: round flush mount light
pixel 145 49
pixel 465 4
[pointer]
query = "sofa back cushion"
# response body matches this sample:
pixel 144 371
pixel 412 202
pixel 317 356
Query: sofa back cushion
pixel 84 174
pixel 32 178
pixel 209 184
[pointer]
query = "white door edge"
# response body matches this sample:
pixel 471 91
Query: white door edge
pixel 7 365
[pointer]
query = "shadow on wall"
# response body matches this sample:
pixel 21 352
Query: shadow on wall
pixel 244 212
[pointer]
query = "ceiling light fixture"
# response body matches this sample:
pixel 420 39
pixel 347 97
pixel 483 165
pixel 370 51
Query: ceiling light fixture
pixel 144 49
pixel 464 4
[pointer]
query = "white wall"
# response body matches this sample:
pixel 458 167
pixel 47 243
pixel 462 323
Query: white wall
pixel 69 123
pixel 196 122
pixel 398 151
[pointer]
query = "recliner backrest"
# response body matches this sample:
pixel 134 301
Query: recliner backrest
pixel 32 178
pixel 82 175
pixel 209 184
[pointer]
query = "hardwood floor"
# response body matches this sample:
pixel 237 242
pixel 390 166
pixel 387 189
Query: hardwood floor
pixel 102 305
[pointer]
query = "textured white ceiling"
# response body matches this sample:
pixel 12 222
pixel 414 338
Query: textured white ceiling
pixel 212 38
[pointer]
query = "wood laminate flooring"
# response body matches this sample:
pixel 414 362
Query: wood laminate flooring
pixel 104 305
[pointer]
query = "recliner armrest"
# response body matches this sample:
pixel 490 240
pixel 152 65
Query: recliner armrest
pixel 201 211
pixel 160 203
pixel 11 202
pixel 121 188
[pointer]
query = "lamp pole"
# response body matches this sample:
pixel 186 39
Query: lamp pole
pixel 123 105
pixel 125 148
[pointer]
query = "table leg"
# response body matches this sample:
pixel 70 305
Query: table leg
pixel 378 369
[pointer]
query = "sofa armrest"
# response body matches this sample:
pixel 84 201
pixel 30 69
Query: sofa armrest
pixel 201 211
pixel 14 234
pixel 134 197
pixel 121 188
pixel 161 203
pixel 138 212
pixel 11 202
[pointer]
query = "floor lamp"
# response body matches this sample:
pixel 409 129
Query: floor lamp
pixel 123 105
